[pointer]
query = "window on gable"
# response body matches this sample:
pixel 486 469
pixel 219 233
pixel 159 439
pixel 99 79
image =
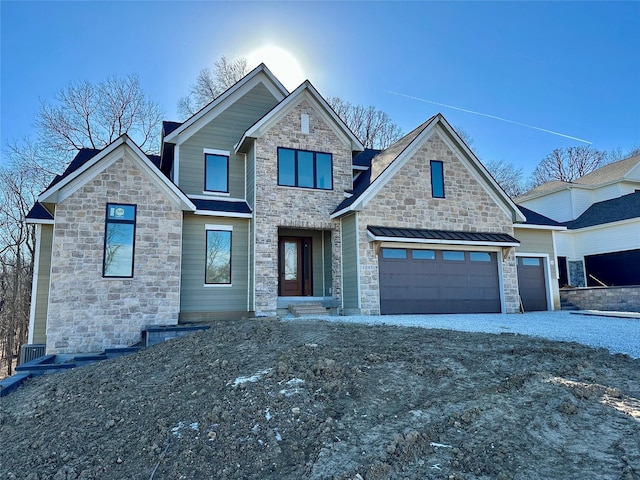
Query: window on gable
pixel 218 261
pixel 437 179
pixel 216 172
pixel 119 241
pixel 302 168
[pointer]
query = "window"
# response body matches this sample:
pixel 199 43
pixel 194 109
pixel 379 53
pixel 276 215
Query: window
pixel 479 256
pixel 216 171
pixel 437 179
pixel 529 262
pixel 218 261
pixel 302 168
pixel 119 241
pixel 394 253
pixel 453 255
pixel 423 254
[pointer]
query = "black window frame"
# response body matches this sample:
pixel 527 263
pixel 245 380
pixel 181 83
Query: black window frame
pixel 439 179
pixel 315 168
pixel 113 221
pixel 206 154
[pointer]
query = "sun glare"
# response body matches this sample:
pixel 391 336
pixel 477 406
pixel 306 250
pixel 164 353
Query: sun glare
pixel 281 63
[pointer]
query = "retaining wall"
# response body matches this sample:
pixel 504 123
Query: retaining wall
pixel 618 299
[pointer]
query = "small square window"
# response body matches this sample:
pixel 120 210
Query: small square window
pixel 437 179
pixel 216 173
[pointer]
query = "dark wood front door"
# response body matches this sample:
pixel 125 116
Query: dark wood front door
pixel 295 266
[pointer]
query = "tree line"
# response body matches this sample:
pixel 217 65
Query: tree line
pixel 92 115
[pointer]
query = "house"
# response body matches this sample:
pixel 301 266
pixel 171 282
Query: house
pixel 262 199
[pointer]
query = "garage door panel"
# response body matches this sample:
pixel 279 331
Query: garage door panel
pixel 532 284
pixel 440 284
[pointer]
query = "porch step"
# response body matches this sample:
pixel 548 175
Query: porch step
pixel 306 309
pixel 567 305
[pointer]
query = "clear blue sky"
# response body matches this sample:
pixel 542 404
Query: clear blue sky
pixel 569 67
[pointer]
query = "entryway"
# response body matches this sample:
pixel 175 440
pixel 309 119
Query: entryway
pixel 295 265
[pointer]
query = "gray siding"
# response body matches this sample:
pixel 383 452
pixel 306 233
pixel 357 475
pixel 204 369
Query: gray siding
pixel 42 292
pixel 223 133
pixel 536 241
pixel 194 295
pixel 349 262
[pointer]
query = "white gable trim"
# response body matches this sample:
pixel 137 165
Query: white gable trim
pixel 530 226
pixel 305 91
pixel 260 75
pixel 122 147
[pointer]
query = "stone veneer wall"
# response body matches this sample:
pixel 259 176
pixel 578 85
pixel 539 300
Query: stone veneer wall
pixel 616 299
pixel 292 207
pixel 405 201
pixel 88 313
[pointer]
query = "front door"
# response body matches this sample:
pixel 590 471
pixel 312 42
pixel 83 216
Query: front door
pixel 295 266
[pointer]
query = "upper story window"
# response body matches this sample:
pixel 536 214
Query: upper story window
pixel 302 168
pixel 216 171
pixel 437 179
pixel 119 241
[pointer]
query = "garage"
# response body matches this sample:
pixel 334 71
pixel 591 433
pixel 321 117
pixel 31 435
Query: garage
pixel 414 281
pixel 532 284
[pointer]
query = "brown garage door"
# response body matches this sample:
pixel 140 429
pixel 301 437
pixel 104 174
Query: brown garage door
pixel 531 283
pixel 438 281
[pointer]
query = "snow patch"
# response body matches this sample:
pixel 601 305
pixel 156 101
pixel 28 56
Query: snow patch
pixel 251 379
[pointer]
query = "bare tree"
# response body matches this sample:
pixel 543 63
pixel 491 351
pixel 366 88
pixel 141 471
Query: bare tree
pixel 508 176
pixel 87 115
pixel 211 83
pixel 373 127
pixel 567 164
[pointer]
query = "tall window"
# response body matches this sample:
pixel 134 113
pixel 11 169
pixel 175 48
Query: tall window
pixel 218 261
pixel 437 179
pixel 119 241
pixel 216 172
pixel 301 168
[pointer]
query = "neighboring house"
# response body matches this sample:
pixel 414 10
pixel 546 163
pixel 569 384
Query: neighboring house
pixel 262 199
pixel 596 221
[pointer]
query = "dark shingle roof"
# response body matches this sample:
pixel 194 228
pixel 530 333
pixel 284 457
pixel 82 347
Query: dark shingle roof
pixel 221 205
pixel 363 159
pixel 534 218
pixel 168 127
pixel 442 235
pixel 38 212
pixel 608 211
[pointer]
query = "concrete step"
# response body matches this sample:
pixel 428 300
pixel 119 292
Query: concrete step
pixel 153 335
pixel 306 309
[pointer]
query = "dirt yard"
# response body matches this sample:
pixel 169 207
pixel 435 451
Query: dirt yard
pixel 315 400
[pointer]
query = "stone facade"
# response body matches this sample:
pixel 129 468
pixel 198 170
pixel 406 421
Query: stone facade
pixel 291 207
pixel 406 201
pixel 88 312
pixel 616 299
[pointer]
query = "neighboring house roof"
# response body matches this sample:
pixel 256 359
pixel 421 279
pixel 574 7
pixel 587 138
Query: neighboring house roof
pixel 534 218
pixel 86 159
pixel 449 237
pixel 267 121
pixel 211 110
pixel 222 208
pixel 387 162
pixel 627 169
pixel 615 210
pixel 610 173
pixel 39 214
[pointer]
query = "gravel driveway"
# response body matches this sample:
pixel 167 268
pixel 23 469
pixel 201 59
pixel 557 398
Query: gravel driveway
pixel 618 335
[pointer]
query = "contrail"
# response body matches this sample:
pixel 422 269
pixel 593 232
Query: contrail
pixel 489 116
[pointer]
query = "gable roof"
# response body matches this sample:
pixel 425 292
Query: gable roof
pixel 82 165
pixel 609 211
pixel 272 116
pixel 362 160
pixel 39 214
pixel 260 74
pixel 385 164
pixel 626 169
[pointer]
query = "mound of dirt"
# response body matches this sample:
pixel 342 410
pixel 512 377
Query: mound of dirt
pixel 263 399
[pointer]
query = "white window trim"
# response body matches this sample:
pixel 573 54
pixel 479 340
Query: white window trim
pixel 223 228
pixel 213 151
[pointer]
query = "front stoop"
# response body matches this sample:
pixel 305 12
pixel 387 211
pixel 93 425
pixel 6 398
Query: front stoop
pixel 307 309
